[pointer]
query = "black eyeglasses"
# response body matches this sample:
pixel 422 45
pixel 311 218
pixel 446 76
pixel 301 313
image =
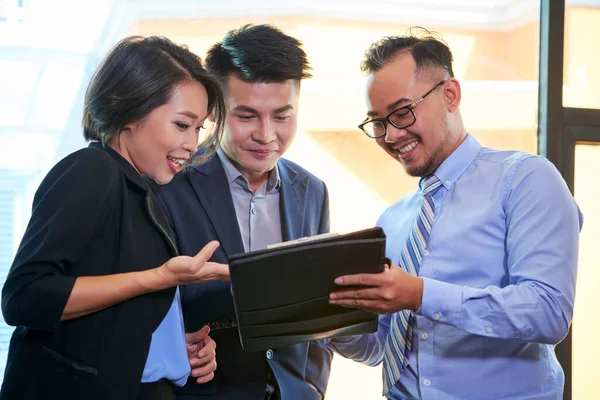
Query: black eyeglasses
pixel 400 118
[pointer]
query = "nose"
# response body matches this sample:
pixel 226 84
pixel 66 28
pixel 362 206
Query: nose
pixel 191 141
pixel 393 134
pixel 266 132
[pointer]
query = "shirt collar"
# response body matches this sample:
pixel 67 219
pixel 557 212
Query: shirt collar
pixel 457 162
pixel 233 174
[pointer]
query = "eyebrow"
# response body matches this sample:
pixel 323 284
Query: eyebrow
pixel 188 114
pixel 253 111
pixel 245 109
pixel 390 107
pixel 283 109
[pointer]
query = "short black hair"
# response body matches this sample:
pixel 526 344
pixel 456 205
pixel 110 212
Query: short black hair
pixel 139 75
pixel 258 53
pixel 427 48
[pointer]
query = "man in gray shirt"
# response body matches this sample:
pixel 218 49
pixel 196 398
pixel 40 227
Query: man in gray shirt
pixel 247 198
pixel 257 211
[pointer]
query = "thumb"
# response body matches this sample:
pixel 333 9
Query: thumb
pixel 207 251
pixel 198 336
pixel 204 331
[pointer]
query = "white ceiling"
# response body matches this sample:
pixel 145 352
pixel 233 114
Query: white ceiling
pixel 474 14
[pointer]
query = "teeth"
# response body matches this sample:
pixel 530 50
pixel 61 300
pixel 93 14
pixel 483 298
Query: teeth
pixel 177 162
pixel 407 148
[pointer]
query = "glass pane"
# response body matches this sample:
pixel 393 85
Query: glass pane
pixel 586 324
pixel 7 200
pixel 47 49
pixel 581 74
pixel 18 83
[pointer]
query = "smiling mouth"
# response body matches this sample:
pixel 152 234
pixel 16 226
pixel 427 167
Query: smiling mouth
pixel 408 147
pixel 261 153
pixel 176 163
pixel 406 150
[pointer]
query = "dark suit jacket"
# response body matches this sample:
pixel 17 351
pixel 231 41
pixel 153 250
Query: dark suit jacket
pixel 200 207
pixel 92 215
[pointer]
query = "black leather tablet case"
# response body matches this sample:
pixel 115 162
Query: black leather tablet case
pixel 281 294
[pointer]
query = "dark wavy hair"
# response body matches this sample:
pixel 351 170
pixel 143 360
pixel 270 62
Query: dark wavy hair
pixel 258 53
pixel 139 75
pixel 427 48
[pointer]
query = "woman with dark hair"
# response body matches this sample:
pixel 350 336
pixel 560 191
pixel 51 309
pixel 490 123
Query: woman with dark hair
pixel 93 289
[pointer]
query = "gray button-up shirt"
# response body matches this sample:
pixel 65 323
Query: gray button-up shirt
pixel 257 213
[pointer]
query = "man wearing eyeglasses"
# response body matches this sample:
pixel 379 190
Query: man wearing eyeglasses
pixel 484 252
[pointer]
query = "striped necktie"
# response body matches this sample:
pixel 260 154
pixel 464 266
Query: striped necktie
pixel 400 333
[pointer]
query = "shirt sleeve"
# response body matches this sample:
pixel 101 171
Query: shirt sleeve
pixel 542 239
pixel 366 349
pixel 324 222
pixel 67 209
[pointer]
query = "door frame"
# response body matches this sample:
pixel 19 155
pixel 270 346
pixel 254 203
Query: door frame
pixel 560 128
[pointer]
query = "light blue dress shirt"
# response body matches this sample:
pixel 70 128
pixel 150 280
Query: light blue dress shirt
pixel 498 280
pixel 168 354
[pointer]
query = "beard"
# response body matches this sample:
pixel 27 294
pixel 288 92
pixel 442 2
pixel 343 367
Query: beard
pixel 427 168
pixel 432 160
pixel 430 163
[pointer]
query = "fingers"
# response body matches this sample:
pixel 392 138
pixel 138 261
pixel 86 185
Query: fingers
pixel 205 372
pixel 204 363
pixel 206 354
pixel 207 251
pixel 198 336
pixel 217 271
pixel 374 306
pixel 358 294
pixel 360 279
pixel 379 279
pixel 195 341
pixel 206 378
pixel 210 270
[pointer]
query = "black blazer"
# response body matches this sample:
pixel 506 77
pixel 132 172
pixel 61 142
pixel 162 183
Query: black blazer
pixel 92 215
pixel 200 207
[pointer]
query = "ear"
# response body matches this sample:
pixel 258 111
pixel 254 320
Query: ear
pixel 452 94
pixel 129 128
